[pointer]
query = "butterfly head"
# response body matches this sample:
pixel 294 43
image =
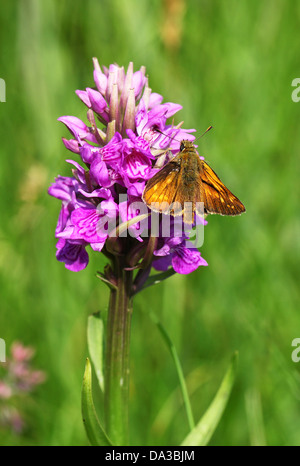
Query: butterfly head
pixel 186 145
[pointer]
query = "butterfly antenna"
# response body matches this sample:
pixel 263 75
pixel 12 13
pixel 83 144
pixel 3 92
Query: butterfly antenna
pixel 208 129
pixel 168 136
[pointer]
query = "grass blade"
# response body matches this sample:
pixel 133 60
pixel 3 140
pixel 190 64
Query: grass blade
pixel 175 357
pixel 93 428
pixel 95 332
pixel 202 433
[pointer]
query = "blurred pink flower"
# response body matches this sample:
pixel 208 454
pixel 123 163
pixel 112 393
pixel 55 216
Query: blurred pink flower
pixel 17 380
pixel 5 390
pixel 19 352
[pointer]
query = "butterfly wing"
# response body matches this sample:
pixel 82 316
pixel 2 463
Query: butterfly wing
pixel 185 181
pixel 213 193
pixel 160 191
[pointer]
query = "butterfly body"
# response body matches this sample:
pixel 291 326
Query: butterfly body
pixel 185 182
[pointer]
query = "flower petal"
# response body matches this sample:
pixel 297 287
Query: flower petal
pixel 72 254
pixel 186 260
pixel 98 103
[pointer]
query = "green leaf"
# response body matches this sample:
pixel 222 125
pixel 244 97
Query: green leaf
pixel 158 278
pixel 255 417
pixel 93 428
pixel 95 332
pixel 164 418
pixel 179 370
pixel 202 433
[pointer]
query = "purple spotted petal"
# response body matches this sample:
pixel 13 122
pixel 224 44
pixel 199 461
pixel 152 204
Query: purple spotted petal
pixel 136 165
pixel 140 144
pixel 85 223
pixel 185 260
pixel 112 152
pixel 72 254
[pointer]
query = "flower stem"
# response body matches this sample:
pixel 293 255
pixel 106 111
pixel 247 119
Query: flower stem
pixel 117 356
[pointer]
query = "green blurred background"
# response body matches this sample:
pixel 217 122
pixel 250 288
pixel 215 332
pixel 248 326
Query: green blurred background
pixel 230 64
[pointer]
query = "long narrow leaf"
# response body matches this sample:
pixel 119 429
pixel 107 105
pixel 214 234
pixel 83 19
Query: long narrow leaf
pixel 93 428
pixel 158 278
pixel 202 433
pixel 194 380
pixel 95 331
pixel 175 357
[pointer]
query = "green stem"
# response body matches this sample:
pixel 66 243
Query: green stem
pixel 117 357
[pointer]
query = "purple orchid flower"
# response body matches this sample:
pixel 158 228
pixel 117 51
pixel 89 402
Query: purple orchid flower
pixel 127 125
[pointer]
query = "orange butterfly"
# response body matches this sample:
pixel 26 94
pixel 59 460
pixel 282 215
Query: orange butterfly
pixel 188 179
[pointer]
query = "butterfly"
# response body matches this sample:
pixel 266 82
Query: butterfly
pixel 188 181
